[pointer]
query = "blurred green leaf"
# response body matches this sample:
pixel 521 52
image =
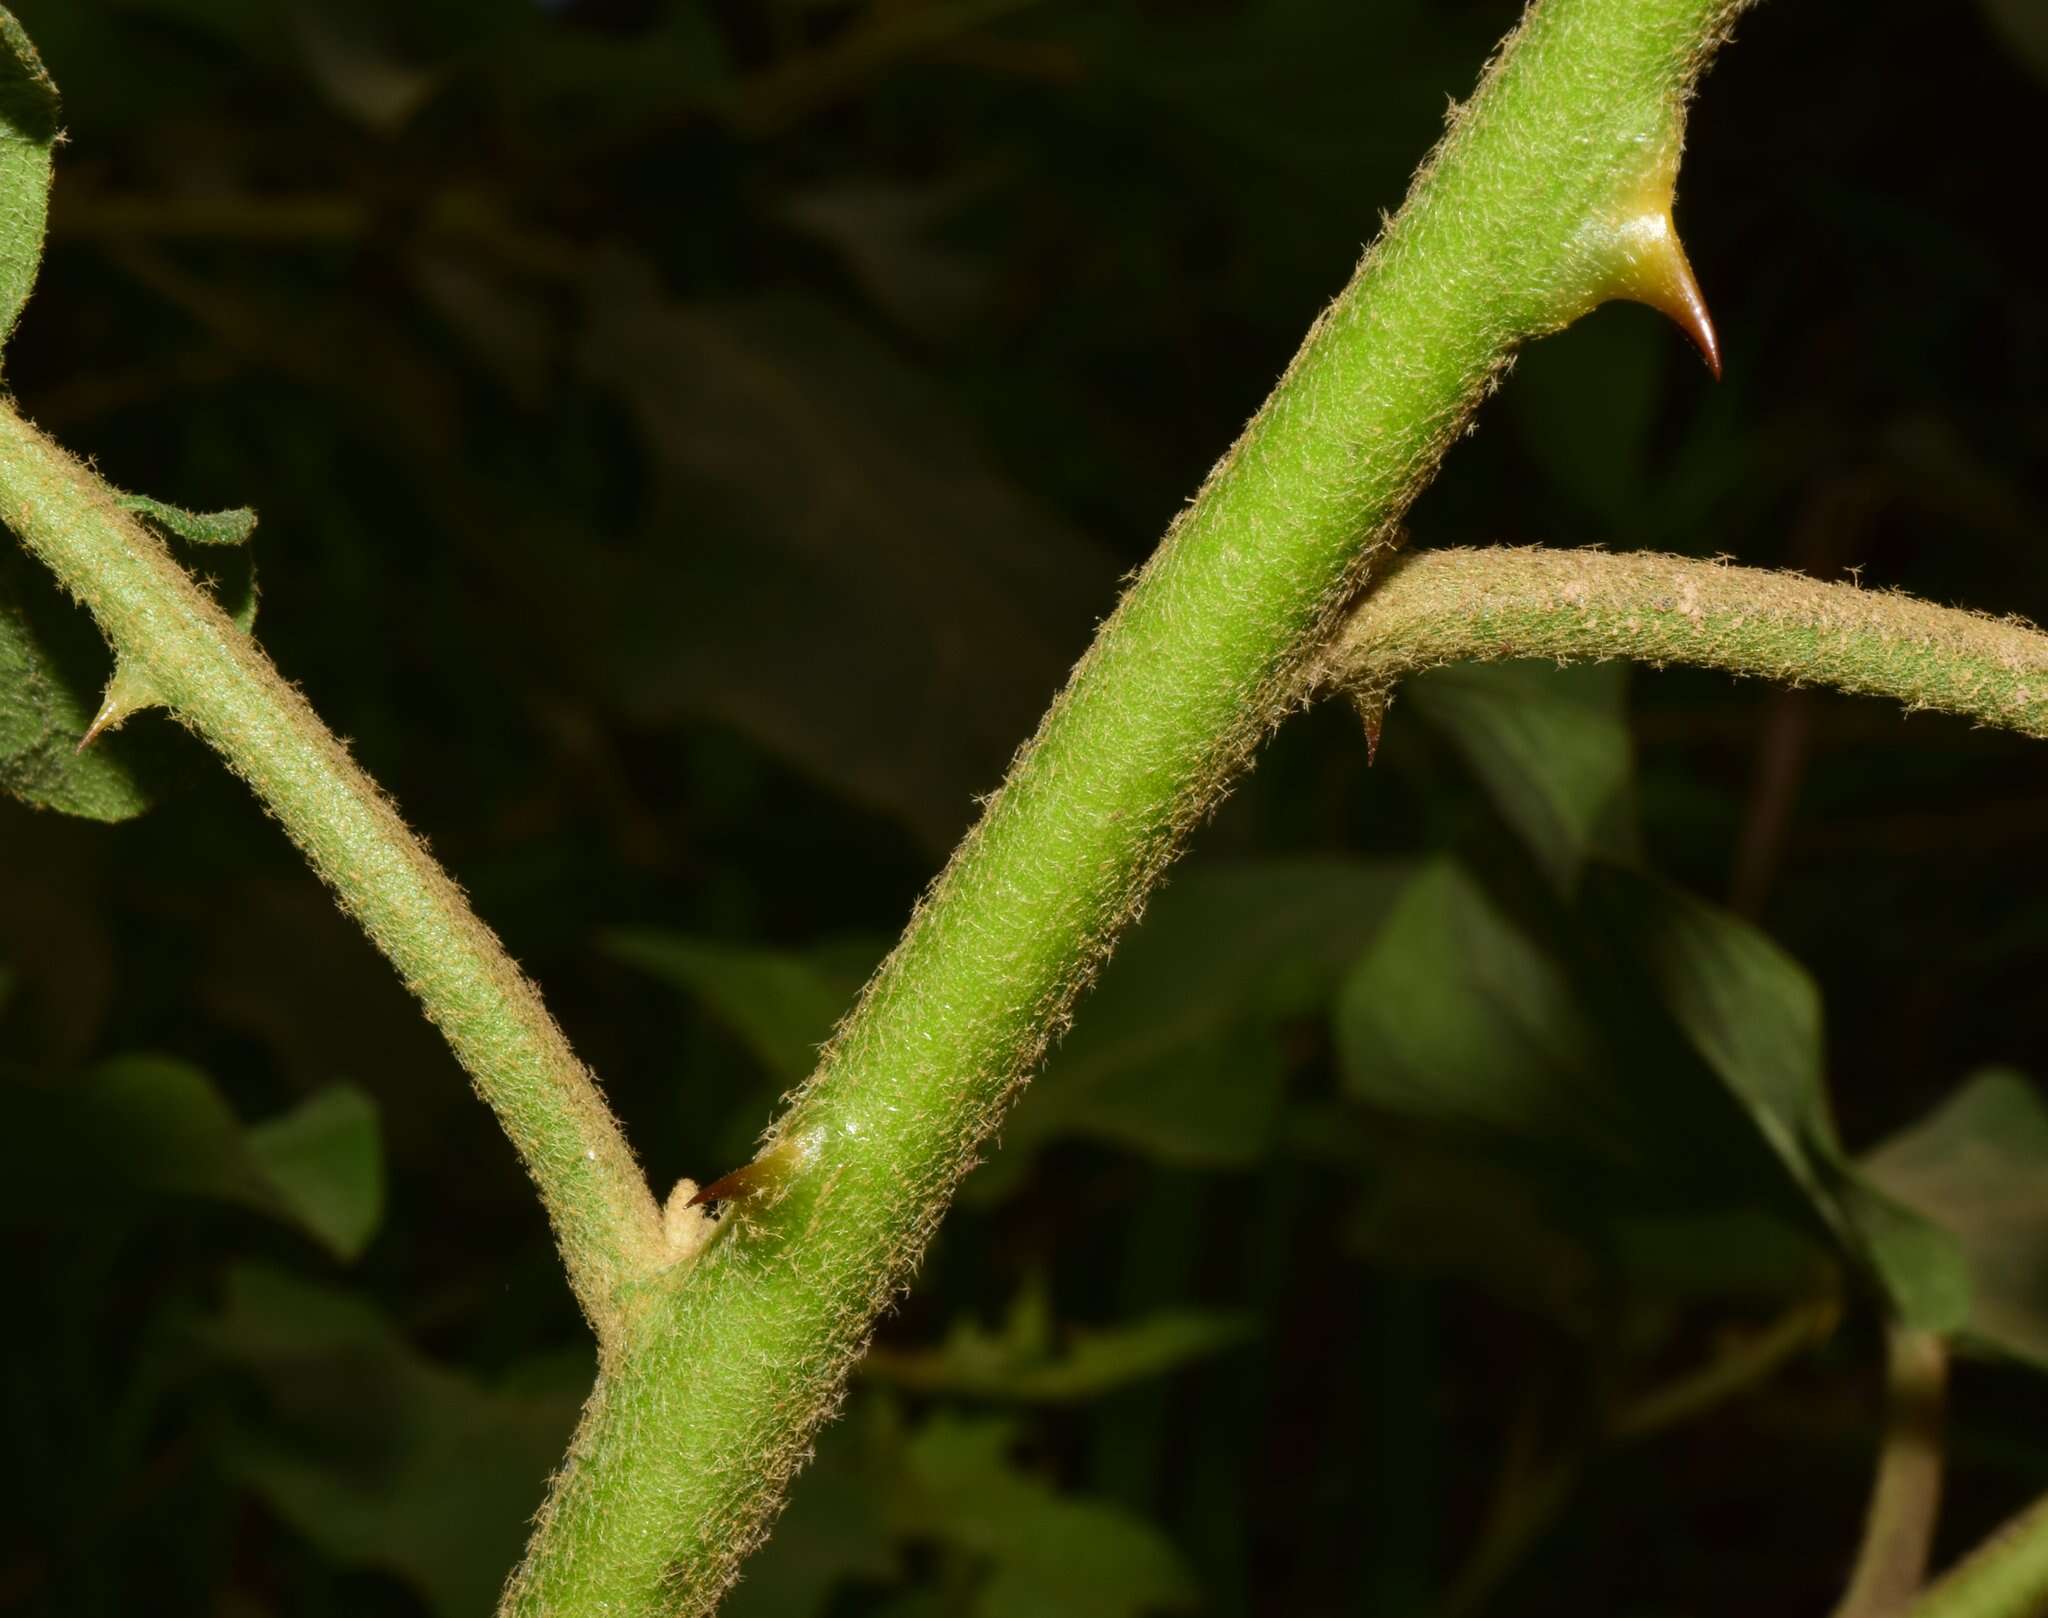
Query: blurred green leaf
pixel 782 1005
pixel 325 1160
pixel 1463 1023
pixel 581 92
pixel 29 130
pixel 1753 1015
pixel 826 511
pixel 53 666
pixel 1585 401
pixel 1551 747
pixel 161 1125
pixel 380 1456
pixel 1182 1052
pixel 1978 1166
pixel 153 1125
pixel 1050 1555
pixel 1751 1012
pixel 52 663
pixel 885 234
pixel 1454 1015
pixel 1022 1361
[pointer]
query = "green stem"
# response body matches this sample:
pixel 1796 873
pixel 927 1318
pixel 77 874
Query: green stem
pixel 2005 1577
pixel 1440 607
pixel 1898 1530
pixel 216 679
pixel 1536 206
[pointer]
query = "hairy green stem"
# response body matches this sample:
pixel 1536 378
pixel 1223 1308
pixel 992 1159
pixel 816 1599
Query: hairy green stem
pixel 1550 192
pixel 2005 1577
pixel 1437 607
pixel 215 678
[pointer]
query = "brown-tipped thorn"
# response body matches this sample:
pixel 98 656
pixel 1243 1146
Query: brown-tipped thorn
pixel 105 720
pixel 768 1173
pixel 1659 275
pixel 1372 714
pixel 1687 305
pixel 726 1188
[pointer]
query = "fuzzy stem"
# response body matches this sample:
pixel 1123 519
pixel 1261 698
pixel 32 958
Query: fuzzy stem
pixel 1438 607
pixel 2005 1577
pixel 1529 213
pixel 216 679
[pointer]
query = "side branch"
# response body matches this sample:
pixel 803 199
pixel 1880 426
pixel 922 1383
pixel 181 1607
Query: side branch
pixel 218 681
pixel 1438 607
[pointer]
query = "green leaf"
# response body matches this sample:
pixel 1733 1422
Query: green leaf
pixel 1181 1052
pixel 51 663
pixel 1550 746
pixel 782 1005
pixel 1023 1364
pixel 1464 1024
pixel 325 1160
pixel 162 1125
pixel 1753 1015
pixel 380 1456
pixel 1978 1165
pixel 194 527
pixel 1457 1017
pixel 150 1125
pixel 1750 1010
pixel 131 691
pixel 824 509
pixel 28 133
pixel 1047 1552
pixel 1586 402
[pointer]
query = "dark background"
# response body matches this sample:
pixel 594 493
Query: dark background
pixel 691 442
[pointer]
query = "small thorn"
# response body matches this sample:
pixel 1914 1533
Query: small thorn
pixel 768 1173
pixel 726 1188
pixel 127 695
pixel 1372 714
pixel 105 720
pixel 1655 271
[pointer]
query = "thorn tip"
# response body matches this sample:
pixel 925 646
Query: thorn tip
pixel 1655 271
pixel 105 720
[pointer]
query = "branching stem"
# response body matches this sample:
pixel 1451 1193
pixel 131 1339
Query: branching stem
pixel 1551 191
pixel 216 679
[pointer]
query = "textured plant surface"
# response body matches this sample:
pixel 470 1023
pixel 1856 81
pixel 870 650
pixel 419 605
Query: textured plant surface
pixel 727 1321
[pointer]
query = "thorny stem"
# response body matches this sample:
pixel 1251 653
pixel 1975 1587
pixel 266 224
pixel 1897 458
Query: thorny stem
pixel 217 680
pixel 723 1349
pixel 1551 192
